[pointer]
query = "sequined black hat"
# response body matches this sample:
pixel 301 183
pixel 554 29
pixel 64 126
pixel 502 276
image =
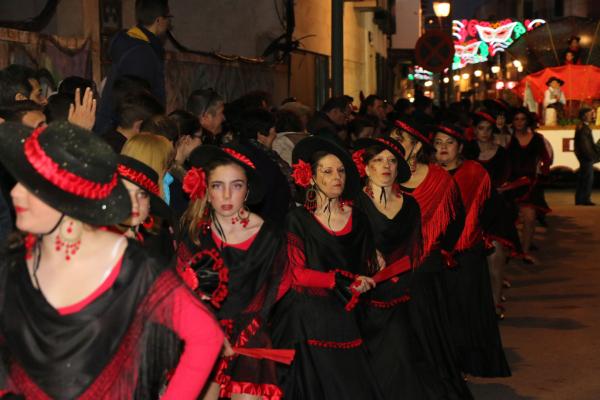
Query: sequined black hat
pixel 68 168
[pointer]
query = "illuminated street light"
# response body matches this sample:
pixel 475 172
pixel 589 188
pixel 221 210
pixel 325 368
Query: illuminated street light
pixel 495 69
pixel 441 8
pixel 428 83
pixel 517 64
pixel 520 68
pixel 465 76
pixel 478 73
pixel 456 78
pixel 499 85
pixel 511 85
pixel 446 79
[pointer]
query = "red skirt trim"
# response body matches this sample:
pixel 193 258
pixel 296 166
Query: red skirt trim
pixel 388 304
pixel 265 390
pixel 335 345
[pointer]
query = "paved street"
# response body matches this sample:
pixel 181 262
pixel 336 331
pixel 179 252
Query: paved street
pixel 552 330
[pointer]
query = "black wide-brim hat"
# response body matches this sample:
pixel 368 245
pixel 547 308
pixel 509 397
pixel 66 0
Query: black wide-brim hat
pixel 68 168
pixel 305 149
pixel 482 115
pixel 554 78
pixel 395 148
pixel 204 155
pixel 415 129
pixel 146 178
pixel 450 130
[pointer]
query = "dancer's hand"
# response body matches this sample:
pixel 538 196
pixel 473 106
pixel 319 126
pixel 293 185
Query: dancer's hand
pixel 365 284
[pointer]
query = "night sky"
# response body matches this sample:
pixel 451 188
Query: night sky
pixel 465 8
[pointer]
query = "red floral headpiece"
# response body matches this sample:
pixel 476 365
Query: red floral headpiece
pixel 357 157
pixel 302 174
pixel 194 183
pixel 238 156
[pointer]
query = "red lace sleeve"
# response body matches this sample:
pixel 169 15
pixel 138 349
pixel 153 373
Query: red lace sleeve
pixel 203 342
pixel 302 276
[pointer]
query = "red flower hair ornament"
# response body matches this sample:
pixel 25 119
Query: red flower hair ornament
pixel 194 183
pixel 302 174
pixel 357 157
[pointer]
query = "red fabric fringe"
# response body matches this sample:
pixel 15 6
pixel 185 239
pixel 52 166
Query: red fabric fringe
pixel 123 365
pixel 265 390
pixel 335 345
pixel 436 196
pixel 475 187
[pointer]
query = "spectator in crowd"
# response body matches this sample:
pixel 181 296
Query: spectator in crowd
pixel 208 106
pixel 257 134
pixel 331 121
pixel 290 130
pixel 301 110
pixel 138 52
pixel 362 127
pixel 27 112
pixel 404 108
pixel 70 84
pixel 188 133
pixel 131 113
pixel 587 153
pixel 18 82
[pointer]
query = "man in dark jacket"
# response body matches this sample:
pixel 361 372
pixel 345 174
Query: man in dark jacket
pixel 331 121
pixel 137 52
pixel 587 153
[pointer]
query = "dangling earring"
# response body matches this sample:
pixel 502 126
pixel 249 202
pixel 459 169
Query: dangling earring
pixel 148 223
pixel 69 237
pixel 310 198
pixel 244 220
pixel 412 163
pixel 205 219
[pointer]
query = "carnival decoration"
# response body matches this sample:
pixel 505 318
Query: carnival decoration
pixel 475 41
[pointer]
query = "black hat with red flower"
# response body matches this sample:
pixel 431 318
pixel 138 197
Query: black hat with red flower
pixel 68 168
pixel 389 144
pixel 302 157
pixel 203 156
pixel 146 178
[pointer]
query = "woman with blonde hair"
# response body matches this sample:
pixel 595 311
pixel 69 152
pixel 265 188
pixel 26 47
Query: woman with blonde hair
pixel 153 150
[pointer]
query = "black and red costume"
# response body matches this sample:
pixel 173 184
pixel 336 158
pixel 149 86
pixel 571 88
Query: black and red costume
pixel 331 359
pixel 529 161
pixel 119 343
pixel 395 351
pixel 240 283
pixel 473 319
pixel 442 218
pixel 500 212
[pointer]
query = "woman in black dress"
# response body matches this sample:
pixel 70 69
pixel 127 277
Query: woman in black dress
pixel 473 322
pixel 86 313
pixel 395 220
pixel 334 254
pixel 236 262
pixel 528 159
pixel 151 219
pixel 500 214
pixel 442 217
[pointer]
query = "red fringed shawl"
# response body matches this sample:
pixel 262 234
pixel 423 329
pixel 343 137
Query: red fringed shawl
pixel 475 185
pixel 436 196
